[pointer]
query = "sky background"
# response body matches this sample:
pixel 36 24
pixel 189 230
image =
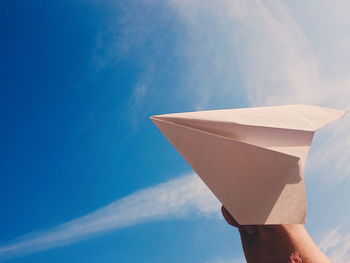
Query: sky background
pixel 84 174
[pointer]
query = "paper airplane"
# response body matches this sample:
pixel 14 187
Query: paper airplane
pixel 252 159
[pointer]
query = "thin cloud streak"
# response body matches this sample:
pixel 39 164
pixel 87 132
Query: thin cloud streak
pixel 336 244
pixel 176 198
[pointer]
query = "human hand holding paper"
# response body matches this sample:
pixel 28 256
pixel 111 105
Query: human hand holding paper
pixel 277 243
pixel 252 159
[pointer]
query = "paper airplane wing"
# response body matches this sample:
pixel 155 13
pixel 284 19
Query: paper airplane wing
pixel 254 170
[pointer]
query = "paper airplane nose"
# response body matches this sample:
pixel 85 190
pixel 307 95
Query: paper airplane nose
pixel 252 159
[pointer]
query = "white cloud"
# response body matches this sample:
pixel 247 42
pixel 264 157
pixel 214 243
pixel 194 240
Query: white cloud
pixel 137 101
pixel 266 43
pixel 176 198
pixel 139 93
pixel 336 244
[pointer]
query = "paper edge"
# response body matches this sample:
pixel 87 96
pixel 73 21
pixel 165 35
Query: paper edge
pixel 342 113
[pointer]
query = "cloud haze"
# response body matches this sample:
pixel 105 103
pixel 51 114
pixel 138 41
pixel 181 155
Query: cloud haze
pixel 177 198
pixel 336 244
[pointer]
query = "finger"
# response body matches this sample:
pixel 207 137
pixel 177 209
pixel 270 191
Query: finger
pixel 249 229
pixel 229 219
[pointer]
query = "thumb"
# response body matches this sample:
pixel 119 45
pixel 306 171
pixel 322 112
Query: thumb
pixel 228 217
pixel 249 229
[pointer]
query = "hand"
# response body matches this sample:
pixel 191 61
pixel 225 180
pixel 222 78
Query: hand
pixel 276 243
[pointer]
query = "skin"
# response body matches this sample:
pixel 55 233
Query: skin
pixel 276 243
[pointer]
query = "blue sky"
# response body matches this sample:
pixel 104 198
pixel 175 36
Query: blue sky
pixel 85 176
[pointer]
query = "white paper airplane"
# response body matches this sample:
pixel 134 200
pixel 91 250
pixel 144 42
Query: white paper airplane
pixel 252 159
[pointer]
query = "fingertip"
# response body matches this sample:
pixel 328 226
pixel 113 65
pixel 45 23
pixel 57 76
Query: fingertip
pixel 228 217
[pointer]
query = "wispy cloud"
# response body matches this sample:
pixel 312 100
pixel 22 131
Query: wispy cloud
pixel 336 244
pixel 173 199
pixel 267 43
pixel 137 100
